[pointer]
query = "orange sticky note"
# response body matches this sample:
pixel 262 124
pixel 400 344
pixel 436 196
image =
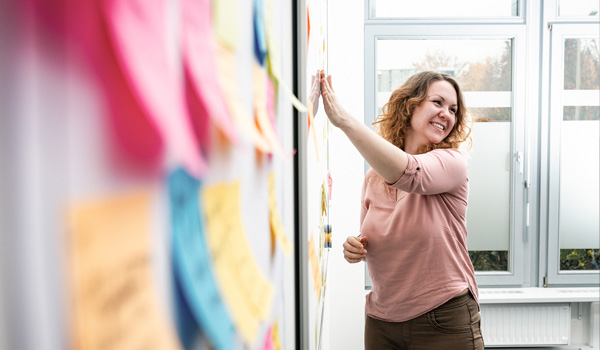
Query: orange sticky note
pixel 115 306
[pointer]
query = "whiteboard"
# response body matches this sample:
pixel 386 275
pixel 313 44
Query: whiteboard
pixel 56 152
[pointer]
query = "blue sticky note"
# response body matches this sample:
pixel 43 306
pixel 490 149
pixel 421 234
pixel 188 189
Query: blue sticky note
pixel 192 261
pixel 187 327
pixel 260 35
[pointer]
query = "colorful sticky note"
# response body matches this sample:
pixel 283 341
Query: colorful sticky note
pixel 226 22
pixel 229 85
pixel 199 56
pixel 115 305
pixel 268 344
pixel 314 265
pixel 276 337
pixel 138 31
pixel 134 134
pixel 191 260
pixel 276 225
pixel 311 130
pixel 260 38
pixel 246 289
pixel 265 125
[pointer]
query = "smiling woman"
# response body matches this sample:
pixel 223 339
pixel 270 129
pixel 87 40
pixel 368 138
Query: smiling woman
pixel 413 217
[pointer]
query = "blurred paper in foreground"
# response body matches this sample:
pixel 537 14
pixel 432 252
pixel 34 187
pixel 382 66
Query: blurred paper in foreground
pixel 114 302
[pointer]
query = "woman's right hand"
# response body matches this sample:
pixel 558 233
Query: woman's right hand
pixel 335 112
pixel 354 249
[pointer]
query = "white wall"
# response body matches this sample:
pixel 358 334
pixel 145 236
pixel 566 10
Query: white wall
pixel 346 281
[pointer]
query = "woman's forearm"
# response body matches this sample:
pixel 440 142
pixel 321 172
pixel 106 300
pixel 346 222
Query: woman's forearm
pixel 386 159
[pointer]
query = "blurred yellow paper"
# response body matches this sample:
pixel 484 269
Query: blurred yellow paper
pixel 229 86
pixel 225 14
pixel 314 264
pixel 276 225
pixel 246 289
pixel 115 306
pixel 276 337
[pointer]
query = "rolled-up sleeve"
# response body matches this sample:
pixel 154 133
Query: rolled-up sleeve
pixel 434 172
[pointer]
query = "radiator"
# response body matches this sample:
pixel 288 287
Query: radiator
pixel 525 324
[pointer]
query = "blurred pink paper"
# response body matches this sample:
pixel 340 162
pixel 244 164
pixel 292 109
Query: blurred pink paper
pixel 268 345
pixel 271 104
pixel 77 29
pixel 138 31
pixel 199 55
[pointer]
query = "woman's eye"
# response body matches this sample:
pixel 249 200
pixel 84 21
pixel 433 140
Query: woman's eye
pixel 437 102
pixel 453 110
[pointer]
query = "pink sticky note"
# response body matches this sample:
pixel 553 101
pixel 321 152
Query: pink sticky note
pixel 78 27
pixel 271 103
pixel 268 345
pixel 138 32
pixel 199 54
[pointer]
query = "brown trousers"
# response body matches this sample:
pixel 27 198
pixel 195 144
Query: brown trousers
pixel 453 326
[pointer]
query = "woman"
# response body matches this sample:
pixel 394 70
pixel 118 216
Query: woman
pixel 413 217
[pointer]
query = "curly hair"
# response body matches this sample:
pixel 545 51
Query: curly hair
pixel 397 112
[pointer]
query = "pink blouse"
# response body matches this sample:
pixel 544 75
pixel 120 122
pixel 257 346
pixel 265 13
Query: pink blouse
pixel 417 236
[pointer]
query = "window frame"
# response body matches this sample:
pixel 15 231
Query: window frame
pixel 556 36
pixel 370 20
pixel 517 205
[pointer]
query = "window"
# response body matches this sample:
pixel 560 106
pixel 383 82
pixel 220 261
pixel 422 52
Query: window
pixel 574 230
pixel 533 206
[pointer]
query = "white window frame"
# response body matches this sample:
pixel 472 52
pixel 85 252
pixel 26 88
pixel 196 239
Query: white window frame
pixel 557 33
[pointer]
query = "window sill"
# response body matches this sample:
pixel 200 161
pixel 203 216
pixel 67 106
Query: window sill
pixel 538 295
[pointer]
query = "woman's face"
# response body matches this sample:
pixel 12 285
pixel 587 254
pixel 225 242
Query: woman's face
pixel 434 118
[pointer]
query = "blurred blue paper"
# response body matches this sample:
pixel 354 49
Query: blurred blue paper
pixel 187 327
pixel 192 263
pixel 260 35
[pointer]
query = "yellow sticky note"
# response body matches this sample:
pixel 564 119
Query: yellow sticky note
pixel 246 290
pixel 115 306
pixel 314 264
pixel 229 86
pixel 311 126
pixel 276 225
pixel 276 337
pixel 225 14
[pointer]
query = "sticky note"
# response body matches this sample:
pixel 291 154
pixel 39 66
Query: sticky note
pixel 276 225
pixel 115 305
pixel 276 337
pixel 137 30
pixel 191 261
pixel 260 36
pixel 268 343
pixel 314 265
pixel 246 289
pixel 265 125
pixel 199 56
pixel 226 15
pixel 229 85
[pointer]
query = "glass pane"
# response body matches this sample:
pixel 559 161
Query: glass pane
pixel 443 8
pixel 484 70
pixel 578 8
pixel 496 114
pixel 579 226
pixel 582 71
pixel 579 191
pixel 581 113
